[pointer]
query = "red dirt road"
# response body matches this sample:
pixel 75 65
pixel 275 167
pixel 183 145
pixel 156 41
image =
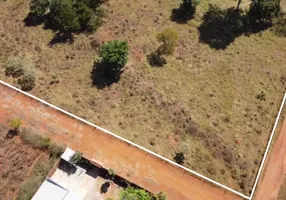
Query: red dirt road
pixel 275 170
pixel 129 162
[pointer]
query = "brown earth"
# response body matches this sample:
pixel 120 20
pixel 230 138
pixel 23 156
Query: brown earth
pixel 275 170
pixel 129 162
pixel 16 162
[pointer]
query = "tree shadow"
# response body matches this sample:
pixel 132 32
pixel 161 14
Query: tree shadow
pixel 220 27
pixel 101 77
pixel 104 187
pixel 182 14
pixel 33 20
pixel 155 59
pixel 61 37
pixel 11 133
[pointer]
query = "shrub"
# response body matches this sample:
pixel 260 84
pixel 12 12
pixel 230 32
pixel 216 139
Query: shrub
pixel 169 39
pixel 14 67
pixel 76 158
pixel 156 59
pixel 263 10
pixel 63 16
pixel 179 158
pixel 56 150
pixel 111 173
pixel 39 7
pixel 15 124
pixel 114 55
pixel 36 140
pixel 93 23
pixel 160 196
pixel 27 82
pixel 280 25
pixel 131 193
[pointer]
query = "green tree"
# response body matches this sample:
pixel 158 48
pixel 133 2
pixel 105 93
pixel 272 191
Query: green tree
pixel 264 10
pixel 84 14
pixel 39 7
pixel 114 55
pixel 131 193
pixel 76 158
pixel 169 40
pixel 64 16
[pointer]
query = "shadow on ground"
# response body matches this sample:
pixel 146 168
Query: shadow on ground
pixel 220 27
pixel 101 78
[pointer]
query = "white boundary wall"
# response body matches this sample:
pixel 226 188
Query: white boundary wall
pixel 157 155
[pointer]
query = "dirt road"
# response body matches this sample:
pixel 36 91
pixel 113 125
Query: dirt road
pixel 275 170
pixel 128 161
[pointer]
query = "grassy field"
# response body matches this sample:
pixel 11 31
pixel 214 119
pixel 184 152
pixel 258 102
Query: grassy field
pixel 202 103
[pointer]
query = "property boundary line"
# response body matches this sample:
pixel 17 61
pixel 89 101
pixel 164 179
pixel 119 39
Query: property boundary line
pixel 268 147
pixel 157 155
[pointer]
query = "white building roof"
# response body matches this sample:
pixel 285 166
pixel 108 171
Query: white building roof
pixel 49 190
pixel 68 154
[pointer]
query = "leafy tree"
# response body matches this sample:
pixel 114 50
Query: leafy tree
pixel 263 10
pixel 64 16
pixel 39 7
pixel 131 193
pixel 179 158
pixel 15 124
pixel 84 13
pixel 114 55
pixel 169 39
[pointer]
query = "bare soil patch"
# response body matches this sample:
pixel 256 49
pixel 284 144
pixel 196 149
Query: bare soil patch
pixel 17 161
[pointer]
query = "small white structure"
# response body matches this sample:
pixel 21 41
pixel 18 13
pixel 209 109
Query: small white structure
pixel 68 154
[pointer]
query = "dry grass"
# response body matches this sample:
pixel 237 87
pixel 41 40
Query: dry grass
pixel 17 163
pixel 202 103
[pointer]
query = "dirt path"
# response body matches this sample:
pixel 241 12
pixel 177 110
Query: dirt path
pixel 274 173
pixel 129 162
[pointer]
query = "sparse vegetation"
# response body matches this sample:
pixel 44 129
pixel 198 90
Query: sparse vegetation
pixel 15 124
pixel 111 173
pixel 169 40
pixel 131 193
pixel 77 158
pixel 27 82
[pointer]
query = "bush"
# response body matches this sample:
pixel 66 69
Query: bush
pixel 169 39
pixel 76 158
pixel 84 14
pixel 111 173
pixel 14 67
pixel 15 124
pixel 114 55
pixel 27 82
pixel 56 150
pixel 36 140
pixel 263 10
pixel 39 7
pixel 160 196
pixel 131 193
pixel 179 158
pixel 156 59
pixel 93 24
